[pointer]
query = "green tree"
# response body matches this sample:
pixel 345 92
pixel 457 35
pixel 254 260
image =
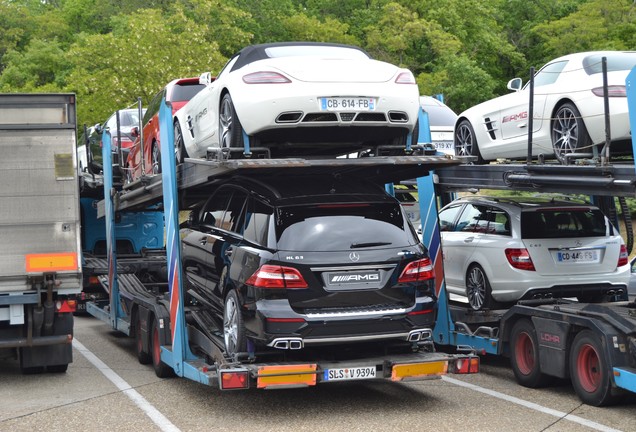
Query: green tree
pixel 42 66
pixel 596 25
pixel 301 27
pixel 145 51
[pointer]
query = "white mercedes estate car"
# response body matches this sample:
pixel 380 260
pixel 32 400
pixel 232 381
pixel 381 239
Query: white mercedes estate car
pixel 500 250
pixel 301 98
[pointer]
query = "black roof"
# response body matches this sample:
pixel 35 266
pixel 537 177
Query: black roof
pixel 253 53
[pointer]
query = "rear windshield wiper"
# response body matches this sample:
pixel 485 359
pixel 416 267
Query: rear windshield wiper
pixel 368 244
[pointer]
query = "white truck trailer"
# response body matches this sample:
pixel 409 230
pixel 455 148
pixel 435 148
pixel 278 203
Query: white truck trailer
pixel 40 265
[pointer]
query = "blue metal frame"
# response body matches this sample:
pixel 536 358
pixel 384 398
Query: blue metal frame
pixel 116 311
pixel 178 356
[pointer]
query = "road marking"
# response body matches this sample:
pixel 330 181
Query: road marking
pixel 159 419
pixel 562 415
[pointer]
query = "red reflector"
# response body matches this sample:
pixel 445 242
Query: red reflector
pixel 417 271
pixel 623 257
pixel 520 259
pixel 421 312
pixel 234 380
pixel 285 320
pixel 66 306
pixel 273 276
pixel 467 365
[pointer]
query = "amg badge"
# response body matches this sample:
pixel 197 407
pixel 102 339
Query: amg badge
pixel 343 278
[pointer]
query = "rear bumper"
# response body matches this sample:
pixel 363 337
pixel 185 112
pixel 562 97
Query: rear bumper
pixel 591 291
pixel 276 325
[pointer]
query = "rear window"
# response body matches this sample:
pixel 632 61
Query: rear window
pixel 324 228
pixel 326 51
pixel 185 92
pixel 558 223
pixel 619 61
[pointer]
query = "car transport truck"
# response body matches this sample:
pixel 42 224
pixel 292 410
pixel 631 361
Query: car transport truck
pixel 591 344
pixel 40 268
pixel 172 324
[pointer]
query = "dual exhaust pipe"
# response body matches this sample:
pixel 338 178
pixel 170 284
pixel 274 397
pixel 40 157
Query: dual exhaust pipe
pixel 295 343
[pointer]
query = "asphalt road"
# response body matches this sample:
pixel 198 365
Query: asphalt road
pixel 106 389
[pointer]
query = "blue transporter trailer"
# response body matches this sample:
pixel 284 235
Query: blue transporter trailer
pixel 170 332
pixel 593 345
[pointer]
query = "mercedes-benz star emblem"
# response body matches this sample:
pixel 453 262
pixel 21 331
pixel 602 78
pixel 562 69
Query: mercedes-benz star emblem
pixel 353 256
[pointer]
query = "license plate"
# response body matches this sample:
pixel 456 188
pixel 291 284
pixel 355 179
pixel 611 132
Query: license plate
pixel 347 104
pixel 576 256
pixel 343 374
pixel 443 145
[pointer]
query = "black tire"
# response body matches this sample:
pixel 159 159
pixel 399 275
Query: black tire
pixel 156 159
pixel 524 355
pixel 230 129
pixel 180 153
pixel 590 370
pixel 143 356
pixel 34 370
pixel 478 290
pixel 233 325
pixel 162 370
pixel 465 141
pixel 57 368
pixel 568 132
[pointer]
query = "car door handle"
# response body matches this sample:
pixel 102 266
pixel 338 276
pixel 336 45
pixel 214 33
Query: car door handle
pixel 469 239
pixel 522 125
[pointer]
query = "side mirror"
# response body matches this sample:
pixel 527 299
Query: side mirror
pixel 205 78
pixel 515 84
pixel 98 128
pixel 134 132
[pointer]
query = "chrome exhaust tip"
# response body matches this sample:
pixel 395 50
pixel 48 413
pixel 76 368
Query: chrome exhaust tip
pixel 287 343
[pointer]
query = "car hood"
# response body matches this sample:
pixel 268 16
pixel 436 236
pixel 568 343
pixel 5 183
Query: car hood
pixel 315 69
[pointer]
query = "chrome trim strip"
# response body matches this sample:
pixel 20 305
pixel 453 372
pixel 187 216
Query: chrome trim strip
pixel 354 314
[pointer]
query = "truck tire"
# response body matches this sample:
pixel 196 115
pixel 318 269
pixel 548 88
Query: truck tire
pixel 57 368
pixel 143 356
pixel 524 355
pixel 162 370
pixel 590 370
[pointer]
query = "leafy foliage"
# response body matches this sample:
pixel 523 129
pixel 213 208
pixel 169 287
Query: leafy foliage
pixel 112 52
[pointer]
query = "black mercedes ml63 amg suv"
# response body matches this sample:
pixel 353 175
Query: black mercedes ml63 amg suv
pixel 286 265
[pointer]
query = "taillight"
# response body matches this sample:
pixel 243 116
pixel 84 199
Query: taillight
pixel 65 306
pixel 265 78
pixel 417 271
pixel 405 78
pixel 520 259
pixel 273 276
pixel 623 257
pixel 612 91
